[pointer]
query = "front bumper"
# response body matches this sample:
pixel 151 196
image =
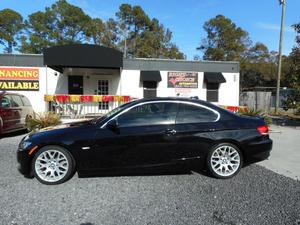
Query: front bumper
pixel 24 161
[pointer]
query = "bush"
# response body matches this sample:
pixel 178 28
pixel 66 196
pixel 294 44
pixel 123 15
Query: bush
pixel 250 112
pixel 293 102
pixel 38 121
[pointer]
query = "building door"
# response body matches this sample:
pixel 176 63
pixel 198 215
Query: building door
pixel 103 89
pixel 150 89
pixel 75 86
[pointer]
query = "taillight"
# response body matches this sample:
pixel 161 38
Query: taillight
pixel 263 130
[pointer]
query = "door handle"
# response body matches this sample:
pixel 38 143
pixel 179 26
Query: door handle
pixel 170 131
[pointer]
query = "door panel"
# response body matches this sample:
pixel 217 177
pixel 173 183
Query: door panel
pixel 142 137
pixel 11 114
pixel 20 110
pixel 133 146
pixel 194 126
pixel 193 140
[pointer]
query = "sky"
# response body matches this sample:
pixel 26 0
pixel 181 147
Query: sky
pixel 261 18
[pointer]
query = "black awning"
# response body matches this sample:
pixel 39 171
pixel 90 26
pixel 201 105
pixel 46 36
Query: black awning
pixel 210 77
pixel 82 55
pixel 150 76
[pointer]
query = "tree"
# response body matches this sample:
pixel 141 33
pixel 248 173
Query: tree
pixel 96 31
pixel 258 53
pixel 291 74
pixel 111 37
pixel 224 41
pixel 251 78
pixel 291 77
pixel 258 58
pixel 61 24
pixel 11 23
pixel 145 37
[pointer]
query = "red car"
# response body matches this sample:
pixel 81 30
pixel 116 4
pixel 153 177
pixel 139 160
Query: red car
pixel 13 111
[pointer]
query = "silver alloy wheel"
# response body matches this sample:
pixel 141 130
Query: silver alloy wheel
pixel 225 160
pixel 51 165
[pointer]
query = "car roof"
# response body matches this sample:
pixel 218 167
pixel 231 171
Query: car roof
pixel 180 99
pixel 184 99
pixel 9 93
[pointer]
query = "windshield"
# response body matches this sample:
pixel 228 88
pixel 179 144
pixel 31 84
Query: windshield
pixel 110 113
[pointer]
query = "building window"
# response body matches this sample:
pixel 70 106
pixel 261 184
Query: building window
pixel 212 92
pixel 150 89
pixel 103 90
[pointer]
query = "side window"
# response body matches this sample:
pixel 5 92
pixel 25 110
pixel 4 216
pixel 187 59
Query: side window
pixel 195 114
pixel 5 102
pixel 149 114
pixel 25 101
pixel 16 101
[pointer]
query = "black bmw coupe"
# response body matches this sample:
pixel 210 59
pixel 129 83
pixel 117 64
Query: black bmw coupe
pixel 146 133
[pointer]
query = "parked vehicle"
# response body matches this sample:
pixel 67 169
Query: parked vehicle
pixel 144 133
pixel 14 108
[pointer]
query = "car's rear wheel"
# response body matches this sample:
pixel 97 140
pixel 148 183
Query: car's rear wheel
pixel 53 165
pixel 224 160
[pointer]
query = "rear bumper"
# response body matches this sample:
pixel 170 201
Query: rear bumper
pixel 258 151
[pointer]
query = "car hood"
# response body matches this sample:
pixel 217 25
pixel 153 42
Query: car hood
pixel 66 125
pixel 60 129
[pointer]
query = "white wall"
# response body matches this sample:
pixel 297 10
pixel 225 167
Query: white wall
pixel 128 83
pixel 228 92
pixel 37 97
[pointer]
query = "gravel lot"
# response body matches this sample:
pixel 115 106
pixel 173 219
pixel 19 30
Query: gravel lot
pixel 255 196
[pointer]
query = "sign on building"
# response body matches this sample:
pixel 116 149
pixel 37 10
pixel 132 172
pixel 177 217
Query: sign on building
pixel 182 80
pixel 19 79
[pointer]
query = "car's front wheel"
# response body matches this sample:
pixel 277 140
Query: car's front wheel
pixel 53 165
pixel 224 160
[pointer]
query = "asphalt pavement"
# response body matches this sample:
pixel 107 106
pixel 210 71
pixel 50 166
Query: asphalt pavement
pixel 255 196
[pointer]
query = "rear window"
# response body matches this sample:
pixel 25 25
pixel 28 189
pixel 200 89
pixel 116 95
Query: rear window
pixel 195 114
pixel 16 101
pixel 26 101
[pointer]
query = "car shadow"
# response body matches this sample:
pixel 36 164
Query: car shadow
pixel 13 134
pixel 148 171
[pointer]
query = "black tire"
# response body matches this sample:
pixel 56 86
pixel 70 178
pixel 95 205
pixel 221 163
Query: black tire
pixel 70 162
pixel 209 164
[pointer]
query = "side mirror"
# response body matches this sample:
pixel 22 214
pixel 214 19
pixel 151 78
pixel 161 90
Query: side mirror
pixel 113 126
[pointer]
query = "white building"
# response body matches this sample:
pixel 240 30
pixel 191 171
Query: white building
pixel 94 70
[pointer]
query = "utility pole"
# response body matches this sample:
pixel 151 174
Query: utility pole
pixel 283 3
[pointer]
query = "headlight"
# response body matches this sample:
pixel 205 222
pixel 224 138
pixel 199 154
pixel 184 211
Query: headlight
pixel 26 144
